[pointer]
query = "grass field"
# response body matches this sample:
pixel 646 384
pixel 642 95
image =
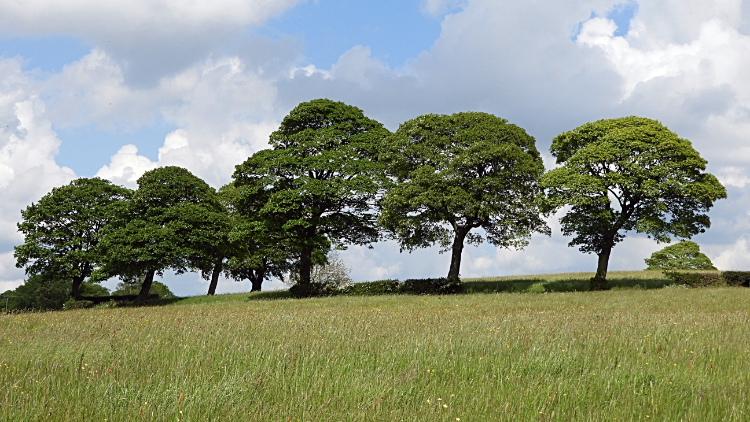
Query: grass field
pixel 667 354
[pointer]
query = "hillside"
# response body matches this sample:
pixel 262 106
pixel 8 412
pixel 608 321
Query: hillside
pixel 632 354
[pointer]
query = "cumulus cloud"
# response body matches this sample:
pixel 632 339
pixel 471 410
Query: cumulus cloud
pixel 440 7
pixel 682 62
pixel 150 39
pixel 27 164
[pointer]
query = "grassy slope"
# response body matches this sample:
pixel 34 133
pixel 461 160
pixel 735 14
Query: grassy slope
pixel 666 354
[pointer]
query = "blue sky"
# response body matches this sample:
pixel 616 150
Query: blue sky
pixel 114 89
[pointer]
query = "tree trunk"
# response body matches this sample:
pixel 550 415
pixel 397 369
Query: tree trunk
pixel 257 276
pixel 599 282
pixel 458 247
pixel 256 281
pixel 145 288
pixel 76 287
pixel 215 278
pixel 305 265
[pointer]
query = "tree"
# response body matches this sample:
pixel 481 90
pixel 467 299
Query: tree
pixel 685 255
pixel 628 174
pixel 171 222
pixel 223 248
pixel 253 251
pixel 63 230
pixel 455 173
pixel 320 182
pixel 42 292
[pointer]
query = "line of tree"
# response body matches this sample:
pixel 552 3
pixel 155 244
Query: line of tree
pixel 334 177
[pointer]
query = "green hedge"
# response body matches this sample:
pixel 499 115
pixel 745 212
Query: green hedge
pixel 371 288
pixel 424 286
pixel 712 278
pixel 431 286
pixel 737 278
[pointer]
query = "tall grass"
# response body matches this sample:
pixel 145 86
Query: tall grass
pixel 663 355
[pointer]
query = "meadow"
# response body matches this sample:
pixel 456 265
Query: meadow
pixel 635 353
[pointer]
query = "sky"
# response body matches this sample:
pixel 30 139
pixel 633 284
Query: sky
pixel 114 89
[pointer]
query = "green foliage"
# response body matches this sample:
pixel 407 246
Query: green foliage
pixel 304 290
pixel 685 255
pixel 431 286
pixel 628 174
pixel 737 278
pixel 63 230
pixel 170 223
pixel 455 173
pixel 157 289
pixel 71 304
pixel 257 252
pixel 371 288
pixel 38 292
pixel 697 279
pixel 46 292
pixel 319 184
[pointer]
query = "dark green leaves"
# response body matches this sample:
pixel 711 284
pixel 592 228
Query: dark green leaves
pixel 63 230
pixel 320 182
pixel 172 222
pixel 629 174
pixel 460 172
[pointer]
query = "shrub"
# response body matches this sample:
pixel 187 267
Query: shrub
pixel 696 279
pixel 737 278
pixel 313 290
pixel 426 286
pixel 77 304
pixel 371 288
pixel 132 289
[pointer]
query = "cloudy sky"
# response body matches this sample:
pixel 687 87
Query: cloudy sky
pixel 113 89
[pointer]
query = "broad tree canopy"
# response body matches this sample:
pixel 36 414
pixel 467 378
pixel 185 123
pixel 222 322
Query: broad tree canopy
pixel 685 255
pixel 455 173
pixel 321 180
pixel 63 230
pixel 628 174
pixel 171 222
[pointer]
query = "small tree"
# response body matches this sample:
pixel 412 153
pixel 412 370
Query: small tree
pixel 628 174
pixel 320 182
pixel 171 222
pixel 63 230
pixel 685 255
pixel 458 173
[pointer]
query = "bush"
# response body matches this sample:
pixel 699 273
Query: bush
pixel 40 293
pixel 157 289
pixel 77 304
pixel 313 290
pixel 371 288
pixel 696 279
pixel 427 286
pixel 737 278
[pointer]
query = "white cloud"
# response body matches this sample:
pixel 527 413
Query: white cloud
pixel 683 62
pixel 35 17
pixel 440 7
pixel 126 167
pixel 150 39
pixel 733 176
pixel 735 256
pixel 27 165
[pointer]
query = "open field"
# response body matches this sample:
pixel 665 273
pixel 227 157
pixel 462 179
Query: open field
pixel 666 354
